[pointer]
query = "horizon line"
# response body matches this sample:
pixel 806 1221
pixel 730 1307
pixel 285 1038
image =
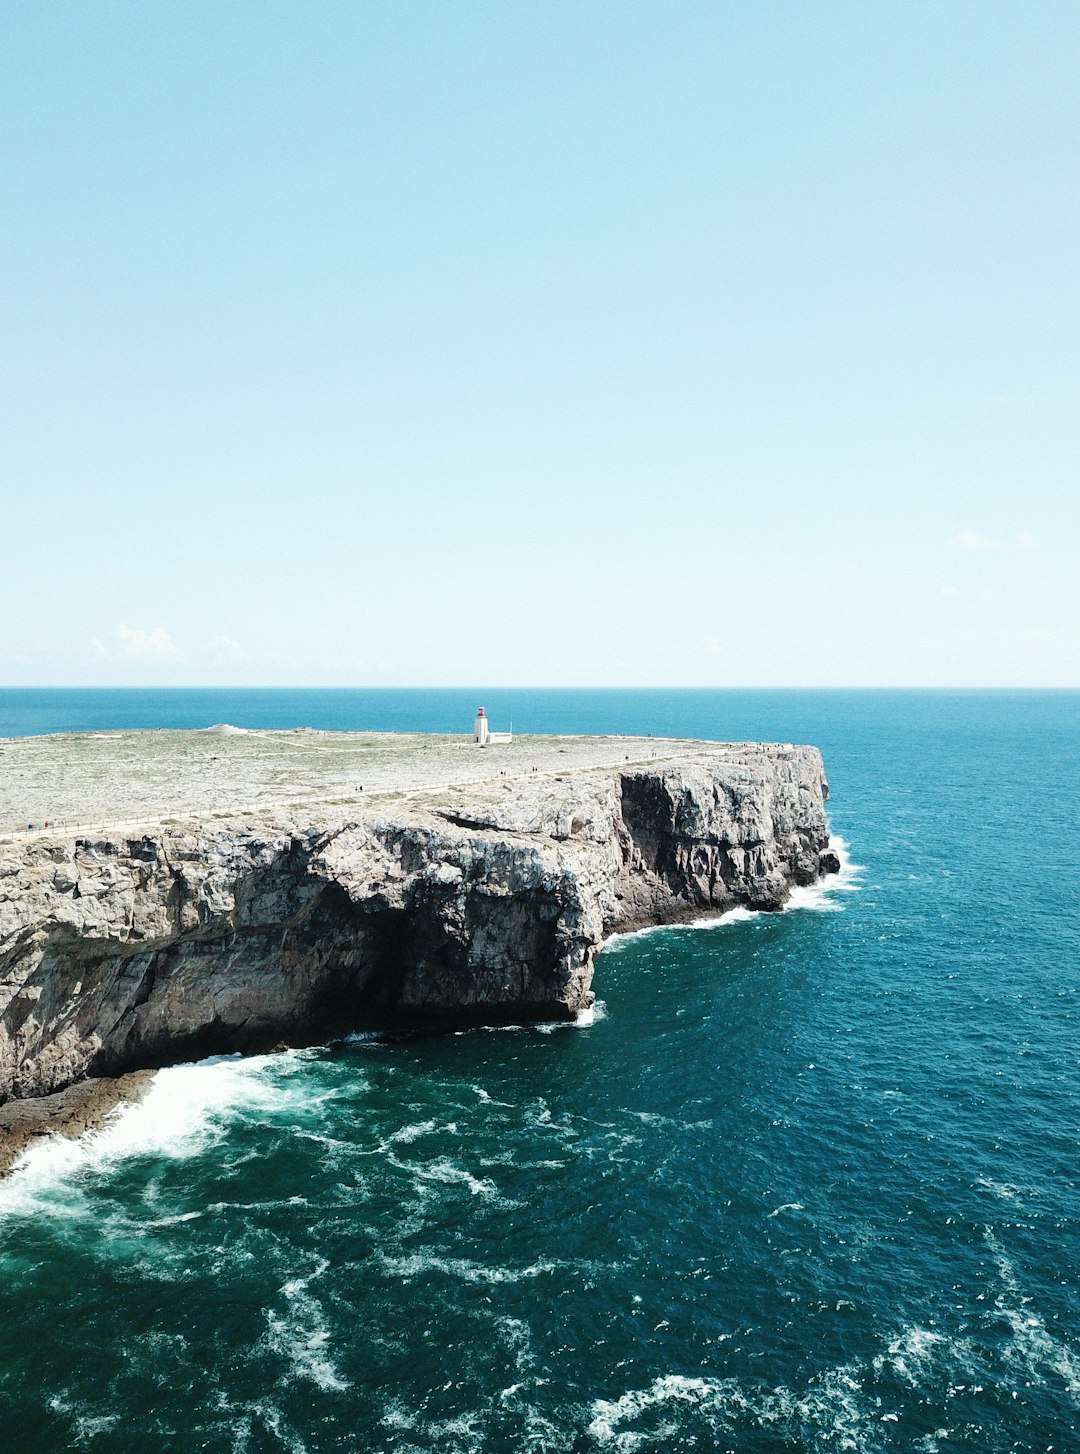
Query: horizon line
pixel 489 687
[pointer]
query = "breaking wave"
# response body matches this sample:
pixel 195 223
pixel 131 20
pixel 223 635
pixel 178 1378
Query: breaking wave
pixel 859 1407
pixel 187 1110
pixel 817 897
pixel 301 1335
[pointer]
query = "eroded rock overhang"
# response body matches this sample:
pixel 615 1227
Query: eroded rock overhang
pixel 481 902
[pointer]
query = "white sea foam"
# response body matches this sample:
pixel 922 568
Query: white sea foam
pixel 1033 1350
pixel 834 1408
pixel 186 1110
pixel 462 1434
pixel 302 1336
pixel 597 1011
pixel 86 1426
pixel 653 1118
pixel 444 1171
pixel 273 1421
pixel 911 1353
pixel 489 1100
pixel 421 1264
pixel 517 1336
pixel 1005 1190
pixel 405 1135
pixel 417 1264
pixel 610 1416
pixel 817 897
pixel 174 1220
pixel 844 1407
pixel 820 896
pixel 737 915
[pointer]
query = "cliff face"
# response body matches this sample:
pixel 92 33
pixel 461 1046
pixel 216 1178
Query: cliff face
pixel 483 905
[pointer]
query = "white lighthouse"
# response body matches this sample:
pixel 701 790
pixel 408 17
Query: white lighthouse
pixel 480 728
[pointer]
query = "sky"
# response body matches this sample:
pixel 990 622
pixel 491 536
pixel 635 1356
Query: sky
pixel 564 343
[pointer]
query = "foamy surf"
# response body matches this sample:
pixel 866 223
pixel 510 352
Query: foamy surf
pixel 738 915
pixel 463 1269
pixel 186 1110
pixel 301 1334
pixel 597 1011
pixel 841 1408
pixel 817 897
pixel 590 1016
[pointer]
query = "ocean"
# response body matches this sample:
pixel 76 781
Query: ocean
pixel 803 1182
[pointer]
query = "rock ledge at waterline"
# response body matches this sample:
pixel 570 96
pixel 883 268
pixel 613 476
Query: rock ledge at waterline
pixel 262 887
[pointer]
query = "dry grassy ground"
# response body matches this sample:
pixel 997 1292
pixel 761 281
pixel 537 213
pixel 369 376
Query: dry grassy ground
pixel 86 781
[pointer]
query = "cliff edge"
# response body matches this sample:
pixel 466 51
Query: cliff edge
pixel 482 900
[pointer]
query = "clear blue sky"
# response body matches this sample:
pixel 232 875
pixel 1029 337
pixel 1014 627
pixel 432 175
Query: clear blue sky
pixel 540 343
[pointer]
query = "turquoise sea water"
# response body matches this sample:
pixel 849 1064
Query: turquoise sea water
pixel 808 1182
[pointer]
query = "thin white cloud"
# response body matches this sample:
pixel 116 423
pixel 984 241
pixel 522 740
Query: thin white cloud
pixel 972 542
pixel 225 650
pixel 132 643
pixel 155 645
pixel 949 591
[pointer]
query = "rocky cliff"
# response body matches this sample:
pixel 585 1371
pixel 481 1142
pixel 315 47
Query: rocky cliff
pixel 480 904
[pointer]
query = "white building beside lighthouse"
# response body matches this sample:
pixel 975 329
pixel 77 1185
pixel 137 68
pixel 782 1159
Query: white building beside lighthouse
pixel 483 735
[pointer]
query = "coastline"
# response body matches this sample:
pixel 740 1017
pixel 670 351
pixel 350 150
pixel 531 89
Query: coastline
pixel 70 1112
pixel 467 888
pixel 84 1107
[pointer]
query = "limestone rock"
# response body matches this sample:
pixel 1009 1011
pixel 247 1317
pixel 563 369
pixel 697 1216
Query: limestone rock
pixel 483 904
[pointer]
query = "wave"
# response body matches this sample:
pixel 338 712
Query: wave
pixel 817 897
pixel 846 1406
pixel 85 1426
pixel 582 1020
pixel 738 915
pixel 835 1410
pixel 820 896
pixel 301 1336
pixel 1032 1348
pixel 186 1110
pixel 447 1173
pixel 597 1011
pixel 418 1264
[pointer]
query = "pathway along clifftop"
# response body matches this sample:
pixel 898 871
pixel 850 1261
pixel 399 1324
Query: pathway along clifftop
pixel 475 886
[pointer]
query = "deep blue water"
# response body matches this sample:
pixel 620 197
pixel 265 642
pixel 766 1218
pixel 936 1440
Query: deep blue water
pixel 810 1183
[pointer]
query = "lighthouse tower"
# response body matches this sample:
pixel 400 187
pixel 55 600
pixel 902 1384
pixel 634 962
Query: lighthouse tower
pixel 480 728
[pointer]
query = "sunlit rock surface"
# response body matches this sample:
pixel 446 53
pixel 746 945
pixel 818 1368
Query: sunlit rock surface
pixel 402 882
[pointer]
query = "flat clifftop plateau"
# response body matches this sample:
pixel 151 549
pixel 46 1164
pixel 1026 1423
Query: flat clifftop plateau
pixel 86 781
pixel 207 892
